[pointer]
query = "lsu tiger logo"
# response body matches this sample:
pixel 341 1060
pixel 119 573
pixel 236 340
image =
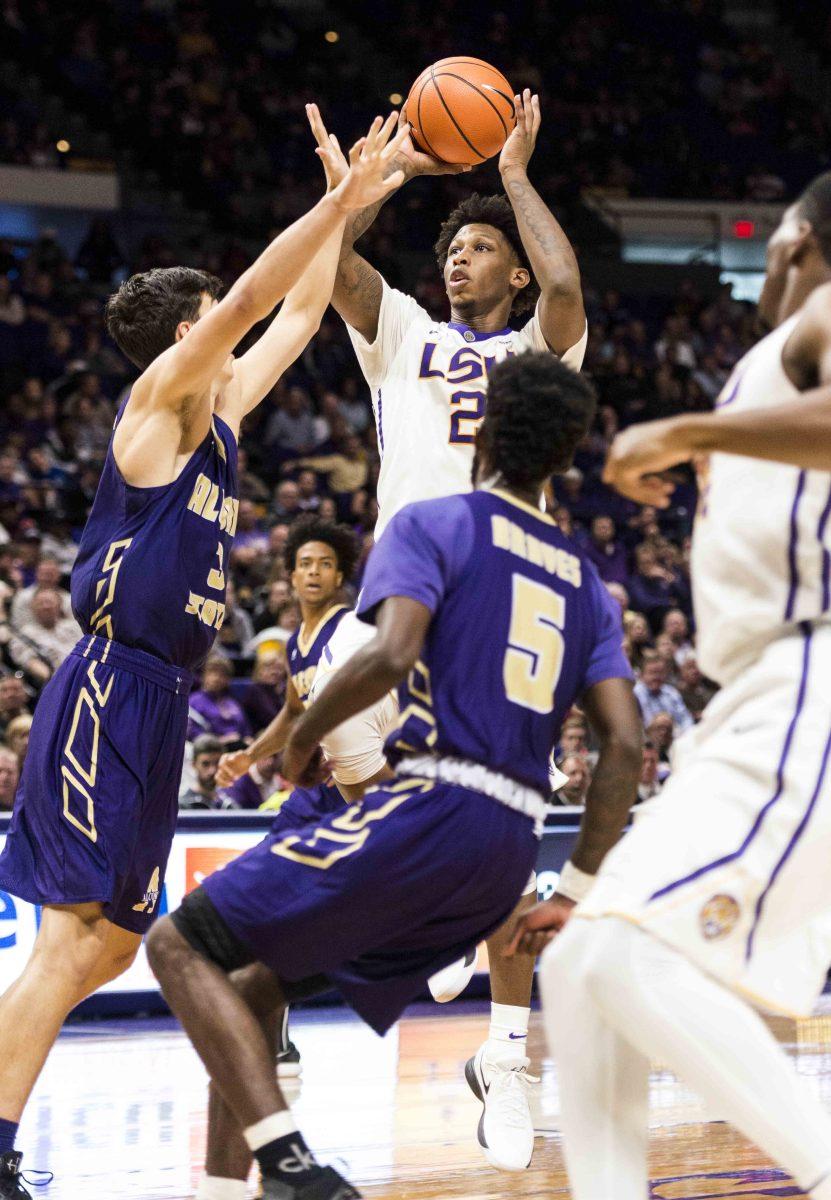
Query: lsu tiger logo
pixel 719 916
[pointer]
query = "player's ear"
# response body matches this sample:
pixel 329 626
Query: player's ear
pixel 182 328
pixel 339 578
pixel 805 239
pixel 520 278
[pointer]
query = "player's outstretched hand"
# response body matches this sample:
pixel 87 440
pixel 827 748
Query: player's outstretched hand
pixel 517 151
pixel 540 925
pixel 638 456
pixel 232 766
pixel 328 150
pixel 419 162
pixel 372 172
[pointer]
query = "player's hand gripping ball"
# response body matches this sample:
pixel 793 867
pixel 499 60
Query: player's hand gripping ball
pixel 461 110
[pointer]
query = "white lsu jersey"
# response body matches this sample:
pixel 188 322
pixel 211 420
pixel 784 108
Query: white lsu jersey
pixel 428 381
pixel 761 558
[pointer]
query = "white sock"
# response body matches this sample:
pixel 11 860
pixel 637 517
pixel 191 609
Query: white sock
pixel 278 1125
pixel 665 1007
pixel 211 1187
pixel 508 1032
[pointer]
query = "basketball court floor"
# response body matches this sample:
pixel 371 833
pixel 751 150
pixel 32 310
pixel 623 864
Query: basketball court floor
pixel 120 1112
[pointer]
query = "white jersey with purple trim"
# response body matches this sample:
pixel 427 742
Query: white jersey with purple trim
pixel 761 558
pixel 428 381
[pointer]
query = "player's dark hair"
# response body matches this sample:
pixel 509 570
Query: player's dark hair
pixel 815 206
pixel 495 211
pixel 312 529
pixel 538 411
pixel 143 314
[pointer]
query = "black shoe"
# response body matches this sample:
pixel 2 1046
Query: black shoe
pixel 326 1185
pixel 288 1062
pixel 10 1186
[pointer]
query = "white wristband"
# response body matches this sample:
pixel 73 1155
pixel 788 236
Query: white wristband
pixel 574 883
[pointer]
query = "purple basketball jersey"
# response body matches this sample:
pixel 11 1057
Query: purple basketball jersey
pixel 303 650
pixel 522 627
pixel 150 571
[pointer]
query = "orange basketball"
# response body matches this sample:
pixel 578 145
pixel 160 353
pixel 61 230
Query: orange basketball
pixel 461 110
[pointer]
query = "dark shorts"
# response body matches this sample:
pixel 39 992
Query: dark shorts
pixel 96 808
pixel 307 804
pixel 380 896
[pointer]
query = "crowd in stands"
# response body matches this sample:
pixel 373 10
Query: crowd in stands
pixel 311 448
pixel 661 100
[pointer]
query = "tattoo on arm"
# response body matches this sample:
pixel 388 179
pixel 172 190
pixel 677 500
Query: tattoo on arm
pixel 357 225
pixel 549 250
pixel 359 281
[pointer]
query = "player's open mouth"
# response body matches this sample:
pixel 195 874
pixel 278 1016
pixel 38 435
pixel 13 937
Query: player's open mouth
pixel 459 277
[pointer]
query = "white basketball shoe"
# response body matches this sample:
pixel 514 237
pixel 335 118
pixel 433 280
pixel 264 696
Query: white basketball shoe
pixel 506 1131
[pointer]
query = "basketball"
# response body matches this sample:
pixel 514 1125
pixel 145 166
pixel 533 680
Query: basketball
pixel 461 110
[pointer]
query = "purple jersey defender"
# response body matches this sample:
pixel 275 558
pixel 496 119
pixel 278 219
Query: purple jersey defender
pixel 377 898
pixel 96 808
pixel 303 651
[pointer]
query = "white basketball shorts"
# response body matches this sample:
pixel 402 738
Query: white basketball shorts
pixel 731 863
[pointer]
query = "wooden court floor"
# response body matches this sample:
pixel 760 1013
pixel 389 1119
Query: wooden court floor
pixel 120 1112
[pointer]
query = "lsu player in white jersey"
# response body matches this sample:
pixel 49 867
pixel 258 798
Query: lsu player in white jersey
pixel 502 257
pixel 719 899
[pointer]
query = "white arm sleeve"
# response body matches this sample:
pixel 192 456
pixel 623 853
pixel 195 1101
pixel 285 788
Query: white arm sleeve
pixel 531 337
pixel 395 316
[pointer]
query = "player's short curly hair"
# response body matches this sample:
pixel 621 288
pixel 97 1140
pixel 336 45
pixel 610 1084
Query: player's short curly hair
pixel 496 211
pixel 312 529
pixel 814 205
pixel 143 314
pixel 538 411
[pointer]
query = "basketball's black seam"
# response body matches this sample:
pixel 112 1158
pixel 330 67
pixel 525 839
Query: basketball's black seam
pixel 479 92
pixel 420 125
pixel 459 129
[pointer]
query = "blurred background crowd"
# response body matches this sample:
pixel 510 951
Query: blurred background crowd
pixel 629 109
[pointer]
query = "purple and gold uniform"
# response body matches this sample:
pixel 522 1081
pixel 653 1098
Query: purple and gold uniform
pixel 381 896
pixel 303 650
pixel 96 808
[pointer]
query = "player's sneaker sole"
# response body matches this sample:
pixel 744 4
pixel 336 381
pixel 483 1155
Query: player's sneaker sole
pixel 451 981
pixel 503 1161
pixel 328 1185
pixel 289 1065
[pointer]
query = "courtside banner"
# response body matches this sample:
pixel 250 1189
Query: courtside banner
pixel 204 843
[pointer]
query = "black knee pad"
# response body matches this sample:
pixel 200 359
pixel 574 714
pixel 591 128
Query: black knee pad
pixel 205 931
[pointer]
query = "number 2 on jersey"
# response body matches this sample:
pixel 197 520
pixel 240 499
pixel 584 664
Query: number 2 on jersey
pixel 534 658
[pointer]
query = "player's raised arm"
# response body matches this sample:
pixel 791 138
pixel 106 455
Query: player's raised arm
pixel 562 315
pixel 358 286
pixel 186 370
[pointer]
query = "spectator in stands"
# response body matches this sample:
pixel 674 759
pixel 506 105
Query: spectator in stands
pixel 654 695
pixel 696 691
pixel 650 782
pixel 576 767
pixel 237 629
pixel 269 605
pixel 9 776
pixel 213 709
pixel 255 787
pixel 40 645
pixel 637 637
pixel 619 593
pixel 292 427
pixel 606 552
pixel 202 793
pixel 286 502
pixel 347 468
pixel 48 574
pixel 573 737
pixel 653 589
pixel 264 698
pixel 17 737
pixel 661 732
pixel 14 701
pixel 677 628
pixel 249 534
pixel 307 487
